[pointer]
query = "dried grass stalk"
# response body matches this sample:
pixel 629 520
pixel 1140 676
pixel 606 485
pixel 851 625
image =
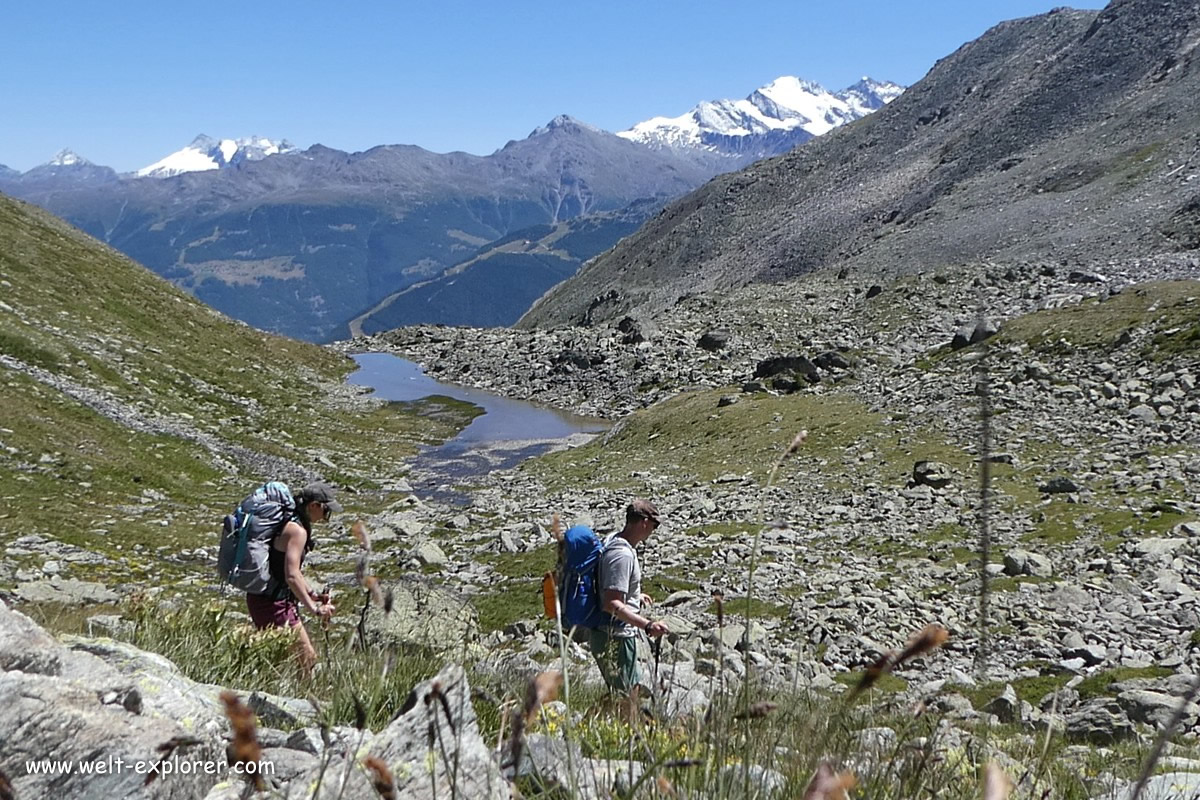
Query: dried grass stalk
pixel 543 689
pixel 360 533
pixel 665 788
pixel 929 638
pixel 381 777
pixel 757 710
pixel 376 593
pixel 245 748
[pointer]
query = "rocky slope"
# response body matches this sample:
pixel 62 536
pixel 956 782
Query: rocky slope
pixel 1094 458
pixel 1068 133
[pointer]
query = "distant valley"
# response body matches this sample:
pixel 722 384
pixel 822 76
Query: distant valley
pixel 304 242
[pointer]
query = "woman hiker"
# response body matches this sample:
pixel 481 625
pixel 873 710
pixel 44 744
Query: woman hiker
pixel 314 503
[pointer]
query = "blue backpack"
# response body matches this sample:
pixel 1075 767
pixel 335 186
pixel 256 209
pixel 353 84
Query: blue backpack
pixel 579 593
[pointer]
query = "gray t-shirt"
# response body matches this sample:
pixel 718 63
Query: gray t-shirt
pixel 619 570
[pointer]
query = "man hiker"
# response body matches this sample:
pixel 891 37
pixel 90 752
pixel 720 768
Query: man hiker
pixel 620 579
pixel 280 608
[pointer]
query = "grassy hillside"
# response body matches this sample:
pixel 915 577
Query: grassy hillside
pixel 134 415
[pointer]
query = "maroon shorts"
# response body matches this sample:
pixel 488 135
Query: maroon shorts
pixel 268 613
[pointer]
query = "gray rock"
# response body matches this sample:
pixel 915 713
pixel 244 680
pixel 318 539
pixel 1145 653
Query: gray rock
pixel 25 647
pixel 429 554
pixel 1023 562
pixel 1006 707
pixel 1059 485
pixel 714 340
pixel 165 691
pixel 1144 413
pixel 423 613
pixel 1167 786
pixel 66 592
pixel 1091 654
pixel 52 717
pixel 1156 708
pixel 764 783
pixel 1156 547
pixel 932 473
pixel 1099 721
pixel 788 366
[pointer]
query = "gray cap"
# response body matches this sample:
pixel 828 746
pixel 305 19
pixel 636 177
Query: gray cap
pixel 321 493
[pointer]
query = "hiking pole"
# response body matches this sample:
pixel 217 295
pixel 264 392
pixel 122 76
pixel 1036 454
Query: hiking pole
pixel 656 646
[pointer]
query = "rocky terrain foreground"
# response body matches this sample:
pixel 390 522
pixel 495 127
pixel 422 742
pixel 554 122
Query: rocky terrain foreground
pixel 867 533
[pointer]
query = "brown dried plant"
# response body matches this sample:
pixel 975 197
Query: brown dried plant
pixel 245 748
pixel 543 688
pixel 665 788
pixel 374 591
pixel 923 641
pixel 826 784
pixel 381 777
pixel 757 710
pixel 359 529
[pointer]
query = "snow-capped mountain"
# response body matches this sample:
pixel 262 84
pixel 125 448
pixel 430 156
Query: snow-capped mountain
pixel 68 158
pixel 205 153
pixel 772 119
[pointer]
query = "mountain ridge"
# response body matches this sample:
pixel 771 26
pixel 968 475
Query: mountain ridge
pixel 1006 149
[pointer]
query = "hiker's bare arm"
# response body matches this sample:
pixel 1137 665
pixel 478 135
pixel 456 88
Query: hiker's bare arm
pixel 294 537
pixel 614 603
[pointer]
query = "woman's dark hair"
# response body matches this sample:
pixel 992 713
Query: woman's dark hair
pixel 302 517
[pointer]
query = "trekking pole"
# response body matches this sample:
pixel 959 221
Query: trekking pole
pixel 656 646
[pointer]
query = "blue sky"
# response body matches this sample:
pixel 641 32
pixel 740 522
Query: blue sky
pixel 125 83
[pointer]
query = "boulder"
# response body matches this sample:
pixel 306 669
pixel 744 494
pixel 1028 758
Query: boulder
pixel 934 474
pixel 1023 562
pixel 25 647
pixel 832 359
pixel 462 764
pixel 1156 708
pixel 787 366
pixel 1099 721
pixel 427 553
pixel 714 340
pixel 422 613
pixel 66 592
pixel 1059 485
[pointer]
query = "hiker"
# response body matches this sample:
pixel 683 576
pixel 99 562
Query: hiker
pixel 280 607
pixel 615 644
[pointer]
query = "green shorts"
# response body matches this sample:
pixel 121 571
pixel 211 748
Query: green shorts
pixel 617 658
